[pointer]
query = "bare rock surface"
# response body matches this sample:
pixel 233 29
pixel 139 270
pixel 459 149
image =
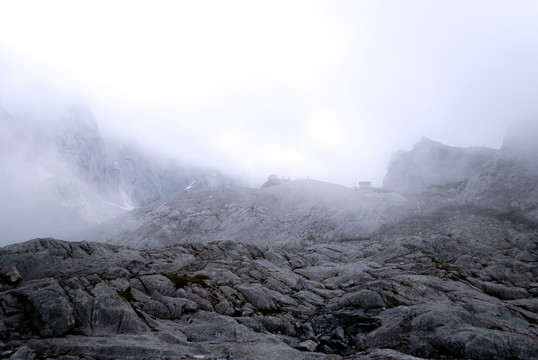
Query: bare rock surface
pixel 287 214
pixel 461 287
pixel 509 180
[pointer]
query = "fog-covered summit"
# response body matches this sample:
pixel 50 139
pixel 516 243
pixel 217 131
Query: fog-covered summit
pixel 521 138
pixel 509 180
pixel 59 174
pixel 282 212
pixel 430 162
pixel 503 180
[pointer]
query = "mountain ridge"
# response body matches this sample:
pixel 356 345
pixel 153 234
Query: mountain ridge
pixel 298 212
pixel 509 180
pixel 288 214
pixel 429 163
pixel 61 165
pixel 302 269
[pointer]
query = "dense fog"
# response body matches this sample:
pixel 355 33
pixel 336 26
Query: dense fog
pixel 318 89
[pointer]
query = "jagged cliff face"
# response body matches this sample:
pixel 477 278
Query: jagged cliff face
pixel 60 176
pixel 432 163
pixel 509 180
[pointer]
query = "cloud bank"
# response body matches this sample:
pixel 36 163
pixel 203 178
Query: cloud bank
pixel 318 89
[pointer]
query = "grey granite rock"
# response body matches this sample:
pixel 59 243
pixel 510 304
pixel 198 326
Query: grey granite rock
pixel 10 275
pixel 115 301
pixel 23 353
pixel 308 345
pixel 50 311
pixel 256 296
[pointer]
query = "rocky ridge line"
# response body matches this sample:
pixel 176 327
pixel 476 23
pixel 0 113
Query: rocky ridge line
pixel 288 214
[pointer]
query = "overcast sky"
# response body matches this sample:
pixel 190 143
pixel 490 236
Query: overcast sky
pixel 320 89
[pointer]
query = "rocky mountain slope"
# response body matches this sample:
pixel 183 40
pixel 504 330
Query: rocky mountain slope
pixel 430 176
pixel 461 285
pixel 298 270
pixel 509 180
pixel 60 175
pixel 292 213
pixel 504 179
pixel 432 163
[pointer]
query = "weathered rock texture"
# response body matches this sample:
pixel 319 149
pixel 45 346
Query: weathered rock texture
pixel 462 285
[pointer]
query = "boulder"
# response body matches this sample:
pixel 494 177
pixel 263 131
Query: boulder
pixel 256 296
pixel 50 311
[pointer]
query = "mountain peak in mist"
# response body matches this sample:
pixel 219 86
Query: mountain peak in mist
pixel 56 162
pixel 509 180
pixel 426 141
pixel 430 162
pixel 522 137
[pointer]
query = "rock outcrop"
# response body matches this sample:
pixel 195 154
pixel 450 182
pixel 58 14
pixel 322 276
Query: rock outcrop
pixel 292 213
pixel 509 180
pixel 459 285
pixel 432 163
